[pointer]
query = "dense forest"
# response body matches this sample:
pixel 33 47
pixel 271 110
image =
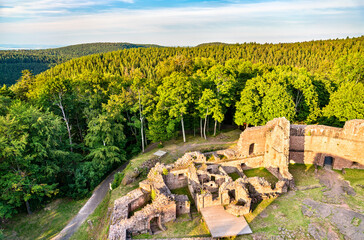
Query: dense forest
pixel 63 130
pixel 13 62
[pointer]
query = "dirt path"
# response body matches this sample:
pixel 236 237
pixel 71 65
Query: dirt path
pixel 189 146
pixel 336 186
pixel 96 198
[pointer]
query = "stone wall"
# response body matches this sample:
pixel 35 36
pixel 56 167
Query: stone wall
pixel 182 204
pixel 254 136
pixel 176 179
pixel 310 144
pixel 265 146
pixel 277 144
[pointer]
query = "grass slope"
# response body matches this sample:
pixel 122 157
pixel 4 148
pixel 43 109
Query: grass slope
pixel 45 223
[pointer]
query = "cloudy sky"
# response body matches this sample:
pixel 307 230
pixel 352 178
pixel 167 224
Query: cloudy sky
pixel 176 23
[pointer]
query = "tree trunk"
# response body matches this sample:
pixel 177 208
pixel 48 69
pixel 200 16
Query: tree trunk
pixel 201 131
pixel 194 127
pixel 204 129
pixel 141 123
pixel 183 129
pixel 145 136
pixel 79 128
pixel 132 129
pixel 66 120
pixel 215 127
pixel 28 207
pixel 142 132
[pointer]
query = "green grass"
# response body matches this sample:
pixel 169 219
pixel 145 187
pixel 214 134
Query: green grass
pixel 183 227
pixel 100 221
pixel 261 172
pixel 284 211
pixel 234 175
pixel 258 209
pixel 354 176
pixel 356 179
pixel 212 148
pixel 45 223
pixel 304 175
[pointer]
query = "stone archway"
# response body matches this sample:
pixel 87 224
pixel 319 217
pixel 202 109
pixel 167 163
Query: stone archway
pixel 155 224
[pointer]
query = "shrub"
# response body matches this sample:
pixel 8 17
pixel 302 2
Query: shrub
pixel 153 194
pixel 118 177
pixel 1 235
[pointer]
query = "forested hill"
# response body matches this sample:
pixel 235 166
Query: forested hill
pixel 315 56
pixel 63 130
pixel 12 62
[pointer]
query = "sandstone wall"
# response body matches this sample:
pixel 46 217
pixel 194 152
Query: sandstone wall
pixel 277 144
pixel 176 179
pixel 266 146
pixel 310 144
pixel 253 135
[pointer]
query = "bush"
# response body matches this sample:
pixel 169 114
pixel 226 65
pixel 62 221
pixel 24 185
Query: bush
pixel 118 177
pixel 1 235
pixel 153 194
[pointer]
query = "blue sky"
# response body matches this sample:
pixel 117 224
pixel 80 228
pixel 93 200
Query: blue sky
pixel 176 23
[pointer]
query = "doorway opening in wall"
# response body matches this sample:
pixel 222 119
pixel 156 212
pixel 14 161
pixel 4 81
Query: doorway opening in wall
pixel 355 165
pixel 154 225
pixel 232 195
pixel 328 162
pixel 251 149
pixel 243 166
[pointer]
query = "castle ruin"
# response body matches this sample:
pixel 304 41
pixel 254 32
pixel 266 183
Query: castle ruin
pixel 272 146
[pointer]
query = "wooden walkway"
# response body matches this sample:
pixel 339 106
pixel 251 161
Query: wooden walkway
pixel 224 224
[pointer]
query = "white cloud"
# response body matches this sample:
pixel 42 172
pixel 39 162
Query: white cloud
pixel 19 8
pixel 269 21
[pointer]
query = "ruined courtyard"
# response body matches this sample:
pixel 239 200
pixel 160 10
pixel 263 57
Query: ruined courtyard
pixel 208 176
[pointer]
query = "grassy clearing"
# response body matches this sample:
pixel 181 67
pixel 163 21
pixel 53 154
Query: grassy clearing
pixel 261 172
pixel 284 211
pixel 258 209
pixel 183 227
pixel 45 223
pixel 356 179
pixel 304 175
pixel 354 176
pixel 234 175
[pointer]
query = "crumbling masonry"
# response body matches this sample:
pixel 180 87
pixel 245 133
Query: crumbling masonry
pixel 272 146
